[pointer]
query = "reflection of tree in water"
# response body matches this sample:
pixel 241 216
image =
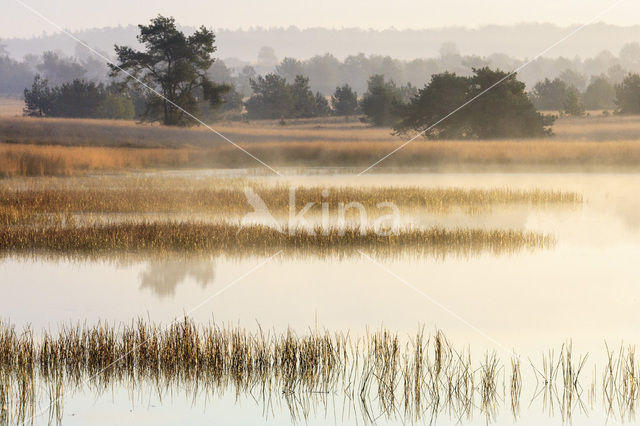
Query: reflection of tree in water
pixel 162 277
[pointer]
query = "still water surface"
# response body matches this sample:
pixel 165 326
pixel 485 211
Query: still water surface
pixel 585 289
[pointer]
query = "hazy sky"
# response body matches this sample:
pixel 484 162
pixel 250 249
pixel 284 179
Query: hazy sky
pixel 16 21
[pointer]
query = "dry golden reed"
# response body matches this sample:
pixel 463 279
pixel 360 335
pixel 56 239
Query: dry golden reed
pixel 527 155
pixel 235 240
pixel 34 160
pixel 31 147
pixel 224 198
pixel 379 374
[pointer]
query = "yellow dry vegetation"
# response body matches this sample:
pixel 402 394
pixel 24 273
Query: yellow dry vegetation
pixel 64 147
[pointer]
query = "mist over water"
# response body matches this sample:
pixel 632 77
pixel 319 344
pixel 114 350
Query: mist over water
pixel 153 273
pixel 583 289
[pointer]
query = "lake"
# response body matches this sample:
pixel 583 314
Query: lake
pixel 582 289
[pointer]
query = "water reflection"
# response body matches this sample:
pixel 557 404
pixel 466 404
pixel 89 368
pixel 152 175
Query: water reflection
pixel 163 276
pixel 309 378
pixel 585 289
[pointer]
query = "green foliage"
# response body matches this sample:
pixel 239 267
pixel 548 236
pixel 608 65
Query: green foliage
pixel 573 103
pixel 322 108
pixel 304 102
pixel 443 94
pixel 230 106
pixel 115 106
pixel 382 102
pixel 76 99
pixel 407 92
pixel 344 101
pixel 549 94
pixel 138 99
pixel 271 97
pixel 628 95
pixel 38 99
pixel 174 65
pixel 505 111
pixel 274 98
pixel 600 94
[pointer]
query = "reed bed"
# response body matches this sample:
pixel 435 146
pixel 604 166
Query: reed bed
pixel 236 240
pixel 227 197
pixel 65 147
pixel 119 216
pixel 517 155
pixel 47 160
pixel 558 382
pixel 121 133
pixel 379 374
pixel 92 132
pixel 620 382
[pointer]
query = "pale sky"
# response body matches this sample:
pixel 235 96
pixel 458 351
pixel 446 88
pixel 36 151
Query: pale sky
pixel 16 21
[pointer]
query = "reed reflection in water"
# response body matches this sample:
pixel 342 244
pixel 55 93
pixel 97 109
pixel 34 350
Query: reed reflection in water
pixel 378 376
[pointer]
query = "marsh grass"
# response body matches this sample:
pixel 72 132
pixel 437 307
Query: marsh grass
pixel 620 382
pixel 259 240
pixel 173 215
pixel 47 160
pixel 91 132
pixel 64 147
pixel 224 198
pixel 378 374
pixel 467 156
pixel 565 368
pixel 515 388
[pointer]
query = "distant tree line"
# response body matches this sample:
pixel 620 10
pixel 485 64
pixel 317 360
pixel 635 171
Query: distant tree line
pixel 15 76
pixel 273 97
pixel 326 72
pixel 600 94
pixel 181 69
pixel 522 40
pixel 505 111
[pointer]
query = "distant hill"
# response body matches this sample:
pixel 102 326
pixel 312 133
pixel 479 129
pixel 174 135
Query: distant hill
pixel 520 41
